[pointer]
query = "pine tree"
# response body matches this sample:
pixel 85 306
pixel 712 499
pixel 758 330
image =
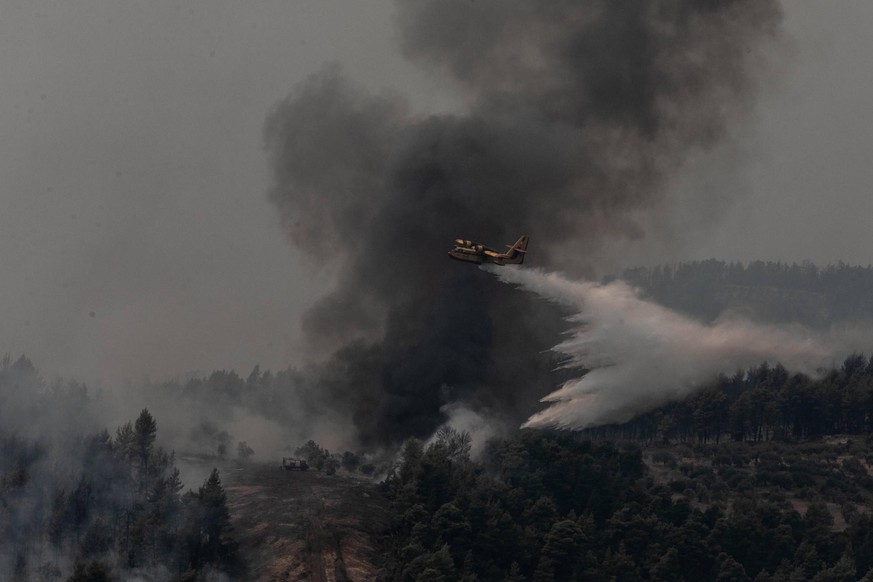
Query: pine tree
pixel 729 570
pixel 668 568
pixel 468 571
pixel 124 444
pixel 514 574
pixel 215 524
pixel 545 571
pixel 842 571
pixel 145 431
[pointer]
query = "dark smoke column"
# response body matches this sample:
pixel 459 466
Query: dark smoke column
pixel 580 113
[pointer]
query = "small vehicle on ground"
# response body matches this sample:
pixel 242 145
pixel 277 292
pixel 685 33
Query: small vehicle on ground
pixel 292 464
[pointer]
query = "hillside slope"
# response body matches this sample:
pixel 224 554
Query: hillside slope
pixel 304 525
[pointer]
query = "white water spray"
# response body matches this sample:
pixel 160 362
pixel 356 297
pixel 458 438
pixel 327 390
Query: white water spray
pixel 641 354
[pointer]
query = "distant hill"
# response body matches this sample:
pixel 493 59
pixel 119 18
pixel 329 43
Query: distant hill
pixel 773 292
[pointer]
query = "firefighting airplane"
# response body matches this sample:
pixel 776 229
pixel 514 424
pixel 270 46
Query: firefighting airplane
pixel 473 252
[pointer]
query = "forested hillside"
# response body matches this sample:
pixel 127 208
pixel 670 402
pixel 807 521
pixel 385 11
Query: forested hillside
pixel 551 507
pixel 99 506
pixel 764 475
pixel 760 404
pixel 763 291
pixel 761 475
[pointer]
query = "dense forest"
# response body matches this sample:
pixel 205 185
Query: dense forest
pixel 78 506
pixel 760 404
pixel 763 291
pixel 764 475
pixel 549 507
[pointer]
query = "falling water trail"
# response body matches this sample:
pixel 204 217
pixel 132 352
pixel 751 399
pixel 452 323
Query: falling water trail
pixel 570 120
pixel 640 355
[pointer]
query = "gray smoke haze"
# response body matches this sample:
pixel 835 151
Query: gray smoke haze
pixel 639 355
pixel 578 114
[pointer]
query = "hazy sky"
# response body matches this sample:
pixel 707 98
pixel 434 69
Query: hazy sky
pixel 135 232
pixel 806 159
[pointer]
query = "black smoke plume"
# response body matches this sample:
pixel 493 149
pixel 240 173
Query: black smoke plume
pixel 579 112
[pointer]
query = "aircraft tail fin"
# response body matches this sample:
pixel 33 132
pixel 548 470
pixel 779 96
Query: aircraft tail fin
pixel 515 254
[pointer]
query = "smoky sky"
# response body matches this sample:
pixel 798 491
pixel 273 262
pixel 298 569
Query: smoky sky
pixel 135 237
pixel 578 114
pixel 133 176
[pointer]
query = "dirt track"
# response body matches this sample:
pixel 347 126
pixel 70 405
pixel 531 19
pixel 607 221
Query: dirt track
pixel 304 525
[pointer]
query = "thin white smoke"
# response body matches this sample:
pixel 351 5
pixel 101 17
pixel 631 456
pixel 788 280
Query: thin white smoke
pixel 641 354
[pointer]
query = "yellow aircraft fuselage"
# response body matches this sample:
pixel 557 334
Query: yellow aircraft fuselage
pixel 472 252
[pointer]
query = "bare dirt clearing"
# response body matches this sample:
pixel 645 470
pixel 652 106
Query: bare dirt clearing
pixel 304 525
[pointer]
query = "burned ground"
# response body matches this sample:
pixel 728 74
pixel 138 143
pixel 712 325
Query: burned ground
pixel 304 524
